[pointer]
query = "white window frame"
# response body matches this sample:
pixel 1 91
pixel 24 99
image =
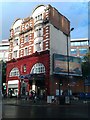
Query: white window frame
pixel 38 68
pixel 14 72
pixel 15 42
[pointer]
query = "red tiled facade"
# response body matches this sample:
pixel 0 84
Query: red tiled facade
pixel 29 61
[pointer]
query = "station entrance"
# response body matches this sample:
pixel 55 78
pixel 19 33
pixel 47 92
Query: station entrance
pixel 37 83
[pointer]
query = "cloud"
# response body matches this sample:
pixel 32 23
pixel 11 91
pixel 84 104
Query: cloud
pixel 76 12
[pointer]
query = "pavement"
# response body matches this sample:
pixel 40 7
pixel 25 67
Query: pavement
pixel 21 108
pixel 23 102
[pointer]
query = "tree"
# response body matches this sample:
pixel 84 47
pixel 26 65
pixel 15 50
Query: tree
pixel 86 65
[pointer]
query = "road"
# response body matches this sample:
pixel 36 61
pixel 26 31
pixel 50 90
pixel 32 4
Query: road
pixel 27 110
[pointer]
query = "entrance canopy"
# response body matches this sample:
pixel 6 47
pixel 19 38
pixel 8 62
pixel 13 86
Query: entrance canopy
pixel 37 73
pixel 33 76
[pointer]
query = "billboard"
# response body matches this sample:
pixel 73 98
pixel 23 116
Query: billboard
pixel 60 65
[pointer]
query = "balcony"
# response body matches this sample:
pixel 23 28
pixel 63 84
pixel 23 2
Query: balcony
pixel 36 23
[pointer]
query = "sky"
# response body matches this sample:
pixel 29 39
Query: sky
pixel 76 12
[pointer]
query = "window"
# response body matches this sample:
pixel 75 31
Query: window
pixel 16 42
pixel 24 68
pixel 83 50
pixel 15 54
pixel 73 51
pixel 79 43
pixel 38 46
pixel 38 32
pixel 17 29
pixel 27 26
pixel 38 68
pixel 36 18
pixel 26 38
pixel 84 43
pixel 26 51
pixel 14 72
pixel 39 17
pixel 72 44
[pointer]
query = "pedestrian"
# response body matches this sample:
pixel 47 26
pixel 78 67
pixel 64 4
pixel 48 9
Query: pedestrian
pixel 35 99
pixel 26 95
pixel 30 95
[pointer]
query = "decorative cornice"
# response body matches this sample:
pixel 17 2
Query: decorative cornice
pixel 25 31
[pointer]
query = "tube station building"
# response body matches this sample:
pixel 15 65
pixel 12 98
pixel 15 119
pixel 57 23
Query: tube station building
pixel 38 54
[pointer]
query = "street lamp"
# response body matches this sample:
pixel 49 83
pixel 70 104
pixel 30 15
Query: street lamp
pixel 68 56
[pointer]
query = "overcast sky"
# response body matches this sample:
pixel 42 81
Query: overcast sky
pixel 76 12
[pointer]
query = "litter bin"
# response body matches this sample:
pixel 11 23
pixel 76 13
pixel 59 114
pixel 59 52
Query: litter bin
pixel 62 100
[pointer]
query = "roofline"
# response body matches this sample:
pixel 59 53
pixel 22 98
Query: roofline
pixel 37 7
pixel 79 39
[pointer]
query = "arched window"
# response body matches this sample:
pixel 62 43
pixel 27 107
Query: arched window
pixel 14 72
pixel 38 68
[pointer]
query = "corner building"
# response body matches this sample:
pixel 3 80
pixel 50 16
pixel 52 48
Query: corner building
pixel 33 41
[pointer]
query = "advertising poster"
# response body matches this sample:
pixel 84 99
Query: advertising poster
pixel 60 65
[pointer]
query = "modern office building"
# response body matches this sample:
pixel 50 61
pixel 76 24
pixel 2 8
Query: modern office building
pixel 34 42
pixel 79 47
pixel 4 49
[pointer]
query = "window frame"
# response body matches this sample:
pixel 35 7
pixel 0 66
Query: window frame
pixel 26 51
pixel 26 39
pixel 14 72
pixel 24 68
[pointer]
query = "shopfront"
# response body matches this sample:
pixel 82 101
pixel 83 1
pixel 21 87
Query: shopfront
pixel 13 87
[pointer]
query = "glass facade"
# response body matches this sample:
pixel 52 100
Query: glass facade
pixel 84 43
pixel 73 51
pixel 83 50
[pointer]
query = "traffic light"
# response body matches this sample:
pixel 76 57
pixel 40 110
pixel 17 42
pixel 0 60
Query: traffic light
pixel 61 83
pixel 4 87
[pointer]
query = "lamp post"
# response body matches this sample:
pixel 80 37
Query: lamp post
pixel 68 58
